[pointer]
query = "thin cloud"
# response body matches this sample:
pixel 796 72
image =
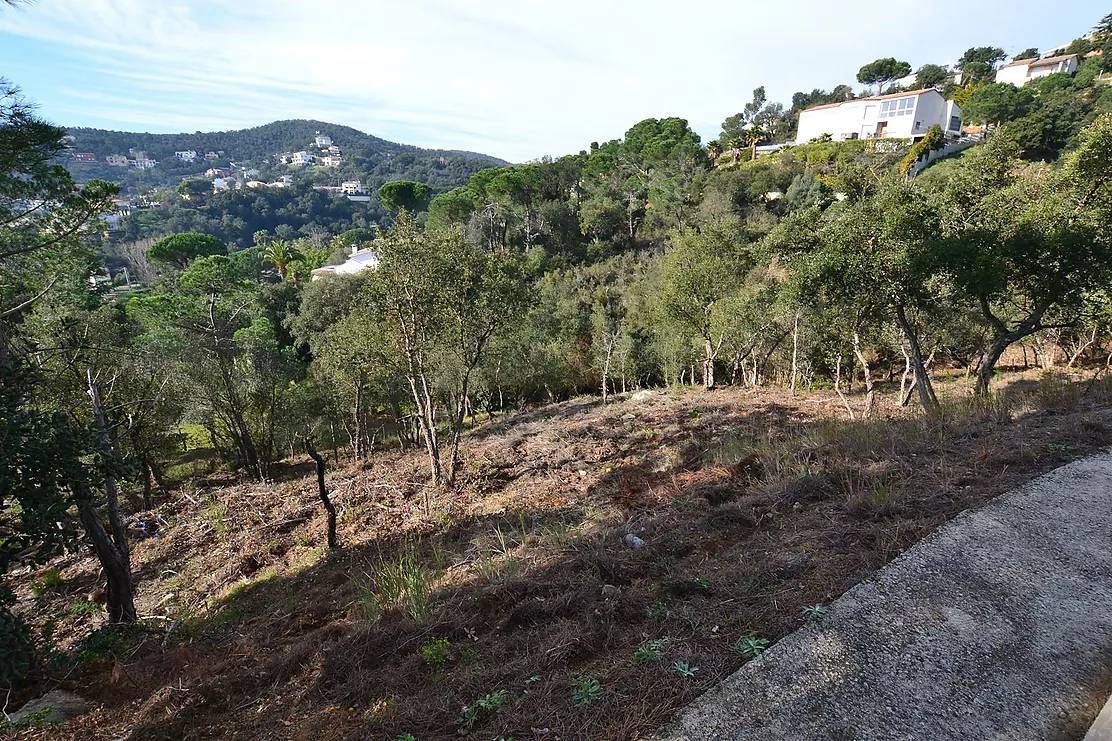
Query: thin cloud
pixel 515 78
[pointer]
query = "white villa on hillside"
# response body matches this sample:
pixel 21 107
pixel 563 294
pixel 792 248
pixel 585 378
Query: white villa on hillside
pixel 324 141
pixel 351 187
pixel 186 156
pixel 1022 71
pixel 297 158
pixel 359 261
pixel 895 116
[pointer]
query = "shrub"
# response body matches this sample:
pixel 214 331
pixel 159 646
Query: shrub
pixel 16 647
pixel 48 581
pixel 587 691
pixel 435 652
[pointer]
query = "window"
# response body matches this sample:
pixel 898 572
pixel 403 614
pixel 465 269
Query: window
pixel 897 107
pixel 955 123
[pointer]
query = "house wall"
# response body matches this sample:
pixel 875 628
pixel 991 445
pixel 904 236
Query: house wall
pixel 1069 66
pixel 1016 75
pixel 860 118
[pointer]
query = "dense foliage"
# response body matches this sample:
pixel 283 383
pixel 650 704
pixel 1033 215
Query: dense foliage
pixel 642 261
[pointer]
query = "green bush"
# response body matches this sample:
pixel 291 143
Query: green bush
pixel 16 647
pixel 49 580
pixel 931 141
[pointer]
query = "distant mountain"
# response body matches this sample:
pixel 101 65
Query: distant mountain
pixel 363 157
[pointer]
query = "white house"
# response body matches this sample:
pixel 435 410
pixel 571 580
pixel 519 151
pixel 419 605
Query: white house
pixel 283 181
pixel 331 160
pixel 323 140
pixel 1022 71
pixel 351 187
pixel 187 156
pixel 298 158
pixel 116 160
pixel 144 163
pixel 894 116
pixel 359 261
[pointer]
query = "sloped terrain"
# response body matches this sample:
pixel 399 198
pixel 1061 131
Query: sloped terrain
pixel 515 605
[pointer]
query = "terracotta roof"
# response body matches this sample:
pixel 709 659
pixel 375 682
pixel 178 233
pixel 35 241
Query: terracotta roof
pixel 874 97
pixel 1052 60
pixel 1036 62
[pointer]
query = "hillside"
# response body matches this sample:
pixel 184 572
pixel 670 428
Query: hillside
pixel 366 157
pixel 515 602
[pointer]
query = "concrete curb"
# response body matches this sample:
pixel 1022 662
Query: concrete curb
pixel 996 627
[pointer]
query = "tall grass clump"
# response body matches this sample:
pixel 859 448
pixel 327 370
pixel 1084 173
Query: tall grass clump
pixel 403 582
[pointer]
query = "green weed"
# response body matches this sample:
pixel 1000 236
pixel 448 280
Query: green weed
pixel 685 668
pixel 435 652
pixel 587 691
pixel 49 580
pixel 83 607
pixel 650 652
pixel 750 646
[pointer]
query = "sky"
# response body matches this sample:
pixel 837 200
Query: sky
pixel 517 79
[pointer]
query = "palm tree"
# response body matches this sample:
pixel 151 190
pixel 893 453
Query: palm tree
pixel 713 149
pixel 752 136
pixel 281 253
pixel 735 144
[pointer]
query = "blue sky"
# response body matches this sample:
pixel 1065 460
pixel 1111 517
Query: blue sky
pixel 518 79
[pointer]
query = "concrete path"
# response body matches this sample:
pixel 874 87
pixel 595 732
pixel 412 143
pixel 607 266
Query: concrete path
pixel 997 627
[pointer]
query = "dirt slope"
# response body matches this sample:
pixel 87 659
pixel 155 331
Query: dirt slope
pixel 513 606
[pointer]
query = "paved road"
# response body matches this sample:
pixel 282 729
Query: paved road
pixel 996 627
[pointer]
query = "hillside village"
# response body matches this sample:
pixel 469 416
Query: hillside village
pixel 305 434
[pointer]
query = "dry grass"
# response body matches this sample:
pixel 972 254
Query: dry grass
pixel 750 504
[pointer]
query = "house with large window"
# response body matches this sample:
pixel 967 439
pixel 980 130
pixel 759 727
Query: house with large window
pixel 1022 71
pixel 906 115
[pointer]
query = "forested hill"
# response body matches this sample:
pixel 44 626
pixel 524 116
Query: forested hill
pixel 365 157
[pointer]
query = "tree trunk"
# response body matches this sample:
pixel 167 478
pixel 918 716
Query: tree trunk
pixel 119 597
pixel 148 502
pixel 322 490
pixel 1002 339
pixel 795 353
pixel 838 387
pixel 869 397
pixel 611 339
pixel 708 365
pixel 988 365
pixel 922 380
pixel 113 551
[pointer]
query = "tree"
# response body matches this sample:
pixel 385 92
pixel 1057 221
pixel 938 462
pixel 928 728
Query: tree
pixel 281 254
pixel 208 317
pixel 700 269
pixel 871 256
pixel 399 194
pixel 194 189
pixel 1028 53
pixel 933 76
pixel 882 72
pixel 997 103
pixel 1102 38
pixel 52 461
pixel 1036 244
pixel 442 300
pixel 978 64
pixel 751 137
pixel 178 250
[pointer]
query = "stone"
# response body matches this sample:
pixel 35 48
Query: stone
pixel 63 706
